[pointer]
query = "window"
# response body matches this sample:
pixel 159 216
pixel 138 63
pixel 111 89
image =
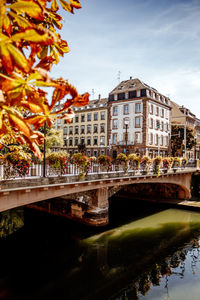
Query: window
pixel 76 119
pixel 161 140
pixel 114 138
pixel 126 95
pixel 151 123
pixel 138 93
pixel 151 138
pixel 151 109
pixel 65 130
pixel 115 124
pixel 95 140
pixel 147 92
pixel 95 128
pixel 161 126
pixel 137 137
pixel 76 142
pixel 82 129
pixel 65 142
pixel 95 116
pixel 76 129
pixel 156 139
pixel 70 130
pixel 115 110
pixel 82 118
pixel 88 141
pixel 162 112
pixel 95 153
pixel 88 128
pixel 89 117
pixel 157 111
pixel 102 115
pixel 102 140
pixel 166 141
pixel 82 141
pixel 70 142
pixel 102 128
pixel 88 153
pixel 126 109
pixel 137 122
pixel 115 97
pixel 138 107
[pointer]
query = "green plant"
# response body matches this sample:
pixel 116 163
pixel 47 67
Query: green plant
pixel 19 160
pixel 145 162
pixel 122 159
pixel 156 165
pixel 184 161
pixel 134 161
pixel 105 161
pixel 176 162
pixel 167 162
pixel 59 160
pixel 82 162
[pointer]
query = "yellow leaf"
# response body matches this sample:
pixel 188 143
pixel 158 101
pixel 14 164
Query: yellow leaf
pixel 75 3
pixel 54 5
pixel 31 8
pixel 66 6
pixel 20 124
pixel 1 118
pixel 18 57
pixel 22 22
pixel 34 36
pixel 7 25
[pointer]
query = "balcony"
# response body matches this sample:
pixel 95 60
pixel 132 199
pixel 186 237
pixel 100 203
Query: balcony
pixel 122 143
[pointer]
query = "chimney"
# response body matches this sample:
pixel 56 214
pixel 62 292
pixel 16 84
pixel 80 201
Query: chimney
pixel 130 77
pixel 99 96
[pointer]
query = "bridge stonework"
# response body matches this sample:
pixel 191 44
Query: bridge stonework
pixel 85 201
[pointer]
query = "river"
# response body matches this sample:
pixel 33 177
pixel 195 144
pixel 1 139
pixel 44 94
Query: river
pixel 148 252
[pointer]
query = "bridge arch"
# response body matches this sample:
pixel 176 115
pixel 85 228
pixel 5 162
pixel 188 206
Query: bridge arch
pixel 151 191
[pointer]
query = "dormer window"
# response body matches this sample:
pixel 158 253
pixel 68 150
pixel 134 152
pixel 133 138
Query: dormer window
pixel 138 93
pixel 131 85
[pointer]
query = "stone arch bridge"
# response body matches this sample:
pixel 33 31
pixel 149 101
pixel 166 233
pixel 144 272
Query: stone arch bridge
pixel 87 200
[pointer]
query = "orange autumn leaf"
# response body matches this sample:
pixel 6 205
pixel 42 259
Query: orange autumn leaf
pixel 31 8
pixel 81 100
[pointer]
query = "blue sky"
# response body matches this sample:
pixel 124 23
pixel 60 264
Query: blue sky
pixel 155 41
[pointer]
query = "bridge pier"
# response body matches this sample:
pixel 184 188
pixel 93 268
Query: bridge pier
pixel 101 199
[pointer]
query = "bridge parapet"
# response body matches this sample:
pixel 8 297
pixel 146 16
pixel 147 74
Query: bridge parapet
pixel 16 193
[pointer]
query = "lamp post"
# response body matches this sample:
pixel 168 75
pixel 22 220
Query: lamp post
pixel 126 122
pixel 44 153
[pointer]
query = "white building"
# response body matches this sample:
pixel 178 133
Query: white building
pixel 139 119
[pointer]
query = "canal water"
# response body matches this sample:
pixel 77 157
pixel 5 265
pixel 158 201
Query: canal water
pixel 148 252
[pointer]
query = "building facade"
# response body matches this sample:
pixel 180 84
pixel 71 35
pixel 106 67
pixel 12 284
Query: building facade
pixel 139 119
pixel 182 115
pixel 88 130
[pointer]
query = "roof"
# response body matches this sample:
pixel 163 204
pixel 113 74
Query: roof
pixel 131 84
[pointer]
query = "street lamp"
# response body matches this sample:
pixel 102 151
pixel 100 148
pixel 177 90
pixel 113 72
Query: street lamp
pixel 126 123
pixel 44 153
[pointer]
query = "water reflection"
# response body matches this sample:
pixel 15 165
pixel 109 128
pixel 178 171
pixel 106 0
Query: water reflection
pixel 143 252
pixel 152 258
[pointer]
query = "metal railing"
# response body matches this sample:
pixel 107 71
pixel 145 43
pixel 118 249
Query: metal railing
pixel 8 172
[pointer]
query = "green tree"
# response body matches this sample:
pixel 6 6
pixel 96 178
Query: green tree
pixel 53 138
pixel 177 140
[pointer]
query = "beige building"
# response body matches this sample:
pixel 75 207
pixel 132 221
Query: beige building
pixel 139 119
pixel 88 130
pixel 182 115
